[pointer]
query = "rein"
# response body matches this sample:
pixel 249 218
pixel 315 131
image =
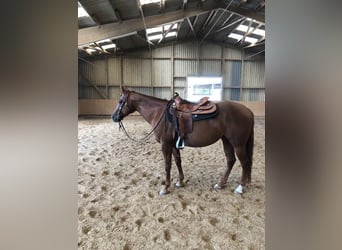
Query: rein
pixel 145 138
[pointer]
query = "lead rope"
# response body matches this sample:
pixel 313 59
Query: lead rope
pixel 145 138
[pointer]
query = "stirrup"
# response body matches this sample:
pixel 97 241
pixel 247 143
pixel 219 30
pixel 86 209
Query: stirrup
pixel 179 140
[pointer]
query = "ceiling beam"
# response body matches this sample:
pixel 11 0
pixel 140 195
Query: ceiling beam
pixel 247 13
pixel 116 15
pixel 207 20
pixel 195 21
pixel 165 33
pixel 261 5
pixel 191 27
pixel 143 19
pixel 184 3
pixel 178 28
pixel 222 12
pixel 95 19
pixel 91 34
pixel 246 33
pixel 230 15
pixel 231 24
pixel 145 39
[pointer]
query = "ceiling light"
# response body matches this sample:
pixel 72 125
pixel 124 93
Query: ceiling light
pixel 159 36
pixel 154 30
pixel 155 37
pixel 108 46
pixel 142 2
pixel 90 50
pixel 259 32
pixel 167 27
pixel 235 36
pixel 250 39
pixel 173 33
pixel 242 27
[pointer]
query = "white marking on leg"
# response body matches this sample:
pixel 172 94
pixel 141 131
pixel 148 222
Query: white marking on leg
pixel 217 186
pixel 163 191
pixel 239 189
pixel 179 184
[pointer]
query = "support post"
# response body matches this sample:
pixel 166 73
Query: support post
pixel 121 72
pixel 198 59
pixel 172 71
pixel 222 72
pixel 152 83
pixel 107 78
pixel 242 72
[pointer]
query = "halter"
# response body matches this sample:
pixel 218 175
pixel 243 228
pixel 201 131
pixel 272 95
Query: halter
pixel 146 137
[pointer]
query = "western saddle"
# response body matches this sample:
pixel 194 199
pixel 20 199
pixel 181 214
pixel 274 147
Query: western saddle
pixel 186 112
pixel 203 106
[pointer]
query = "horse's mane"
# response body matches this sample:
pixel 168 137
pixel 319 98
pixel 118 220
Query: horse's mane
pixel 150 97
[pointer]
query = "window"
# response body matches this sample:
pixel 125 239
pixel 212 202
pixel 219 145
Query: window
pixel 198 87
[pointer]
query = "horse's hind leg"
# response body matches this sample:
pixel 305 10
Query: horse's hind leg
pixel 246 164
pixel 176 156
pixel 230 157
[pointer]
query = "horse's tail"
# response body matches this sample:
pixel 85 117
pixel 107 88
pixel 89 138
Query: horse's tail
pixel 249 149
pixel 250 145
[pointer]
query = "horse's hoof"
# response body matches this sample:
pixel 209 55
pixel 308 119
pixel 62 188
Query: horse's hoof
pixel 179 184
pixel 217 186
pixel 238 189
pixel 163 192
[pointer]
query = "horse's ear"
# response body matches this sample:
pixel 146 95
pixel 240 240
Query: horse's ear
pixel 124 89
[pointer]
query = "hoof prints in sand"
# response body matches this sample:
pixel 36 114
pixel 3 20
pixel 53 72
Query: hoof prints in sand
pixel 119 204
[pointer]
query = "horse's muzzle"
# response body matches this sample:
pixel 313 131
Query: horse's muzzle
pixel 116 118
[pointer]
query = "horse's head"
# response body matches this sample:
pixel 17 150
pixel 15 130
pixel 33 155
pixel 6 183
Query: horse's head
pixel 123 108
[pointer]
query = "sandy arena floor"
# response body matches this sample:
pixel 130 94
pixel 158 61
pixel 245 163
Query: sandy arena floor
pixel 119 206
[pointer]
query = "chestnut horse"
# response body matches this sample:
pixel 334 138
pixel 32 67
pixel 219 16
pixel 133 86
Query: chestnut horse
pixel 234 125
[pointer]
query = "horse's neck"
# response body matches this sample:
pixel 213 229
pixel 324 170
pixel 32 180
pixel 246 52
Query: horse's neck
pixel 149 108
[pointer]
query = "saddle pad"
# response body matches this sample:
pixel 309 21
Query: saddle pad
pixel 195 117
pixel 199 117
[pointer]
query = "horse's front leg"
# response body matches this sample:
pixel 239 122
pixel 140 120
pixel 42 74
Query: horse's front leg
pixel 167 153
pixel 177 158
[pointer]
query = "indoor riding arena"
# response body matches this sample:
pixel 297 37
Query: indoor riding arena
pixel 195 49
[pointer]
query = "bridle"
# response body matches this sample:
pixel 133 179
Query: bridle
pixel 146 137
pixel 123 102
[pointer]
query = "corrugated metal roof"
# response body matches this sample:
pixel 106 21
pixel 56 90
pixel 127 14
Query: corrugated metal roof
pixel 209 20
pixel 101 11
